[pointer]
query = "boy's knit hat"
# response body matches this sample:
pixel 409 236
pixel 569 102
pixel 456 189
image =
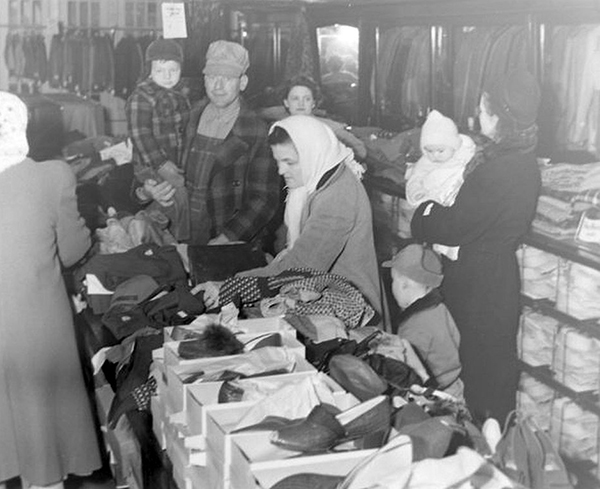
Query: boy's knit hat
pixel 516 95
pixel 439 130
pixel 418 263
pixel 164 50
pixel 226 58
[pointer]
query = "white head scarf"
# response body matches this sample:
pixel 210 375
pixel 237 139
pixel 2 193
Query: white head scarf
pixel 319 151
pixel 13 130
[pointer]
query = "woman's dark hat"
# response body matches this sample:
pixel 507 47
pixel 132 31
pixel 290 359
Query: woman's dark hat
pixel 517 95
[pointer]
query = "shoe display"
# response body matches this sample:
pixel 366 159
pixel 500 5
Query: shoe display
pixel 369 417
pixel 356 376
pixel 323 428
pixel 317 433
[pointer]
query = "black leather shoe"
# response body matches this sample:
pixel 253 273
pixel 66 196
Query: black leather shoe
pixel 368 417
pixel 317 433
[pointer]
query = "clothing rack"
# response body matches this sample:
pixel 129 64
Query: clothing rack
pixel 25 27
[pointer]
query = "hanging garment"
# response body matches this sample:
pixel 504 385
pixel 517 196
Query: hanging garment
pixel 302 56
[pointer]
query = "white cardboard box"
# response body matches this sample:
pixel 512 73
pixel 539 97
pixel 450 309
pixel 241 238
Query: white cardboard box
pixel 200 396
pixel 256 463
pixel 288 340
pixel 176 375
pixel 255 325
pixel 219 439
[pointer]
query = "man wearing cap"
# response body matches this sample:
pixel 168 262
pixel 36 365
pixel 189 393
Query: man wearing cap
pixel 491 213
pixel 157 114
pixel 232 183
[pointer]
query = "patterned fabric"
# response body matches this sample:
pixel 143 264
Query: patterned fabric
pixel 156 120
pixel 336 296
pixel 13 126
pixel 143 393
pixel 241 191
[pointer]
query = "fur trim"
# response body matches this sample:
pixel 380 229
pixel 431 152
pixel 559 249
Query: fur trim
pixel 215 341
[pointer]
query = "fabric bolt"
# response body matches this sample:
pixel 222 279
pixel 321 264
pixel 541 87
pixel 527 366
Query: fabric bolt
pixel 237 192
pixel 539 273
pixel 481 289
pixel 575 360
pixel 46 424
pixel 537 335
pixel 574 430
pixel 534 399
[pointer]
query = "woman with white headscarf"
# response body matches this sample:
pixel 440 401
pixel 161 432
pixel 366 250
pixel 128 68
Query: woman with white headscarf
pixel 327 213
pixel 47 429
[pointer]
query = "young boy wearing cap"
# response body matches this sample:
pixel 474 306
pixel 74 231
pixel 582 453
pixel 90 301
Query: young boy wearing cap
pixel 157 114
pixel 425 321
pixel 438 174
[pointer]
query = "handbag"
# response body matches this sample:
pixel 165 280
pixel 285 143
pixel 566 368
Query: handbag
pixel 215 263
pixel 526 454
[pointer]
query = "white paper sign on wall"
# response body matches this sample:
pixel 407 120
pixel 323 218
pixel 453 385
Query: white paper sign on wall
pixel 173 17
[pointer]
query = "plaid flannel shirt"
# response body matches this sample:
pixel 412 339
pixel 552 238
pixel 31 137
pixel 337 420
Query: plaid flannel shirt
pixel 244 185
pixel 156 120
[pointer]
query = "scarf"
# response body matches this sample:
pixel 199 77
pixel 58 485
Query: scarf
pixel 319 150
pixel 429 301
pixel 524 141
pixel 216 122
pixel 13 130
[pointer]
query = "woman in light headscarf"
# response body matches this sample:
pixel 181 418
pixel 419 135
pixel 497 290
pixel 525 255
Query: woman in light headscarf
pixel 327 213
pixel 46 424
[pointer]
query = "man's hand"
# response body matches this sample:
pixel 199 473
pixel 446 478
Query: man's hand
pixel 221 239
pixel 172 174
pixel 211 293
pixel 160 192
